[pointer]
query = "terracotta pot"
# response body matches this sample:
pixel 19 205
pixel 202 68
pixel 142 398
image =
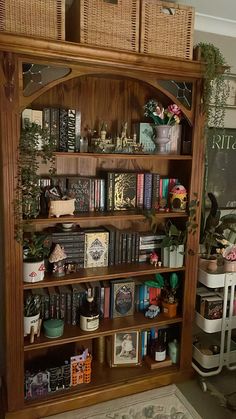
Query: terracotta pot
pixel 230 266
pixel 169 310
pixel 212 265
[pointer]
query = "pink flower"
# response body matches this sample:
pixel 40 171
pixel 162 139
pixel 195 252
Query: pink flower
pixel 175 110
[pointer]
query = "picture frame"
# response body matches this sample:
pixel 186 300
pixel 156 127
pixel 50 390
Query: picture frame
pixel 231 84
pixel 125 349
pixel 220 165
pixel 122 297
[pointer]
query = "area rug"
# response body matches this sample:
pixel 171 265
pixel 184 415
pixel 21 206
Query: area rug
pixel 162 403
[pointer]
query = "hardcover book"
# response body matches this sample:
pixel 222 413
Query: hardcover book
pixel 122 297
pixel 63 129
pixel 80 188
pixel 96 248
pixel 71 130
pixel 125 191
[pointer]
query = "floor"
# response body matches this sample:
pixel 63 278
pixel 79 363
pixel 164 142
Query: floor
pixel 210 404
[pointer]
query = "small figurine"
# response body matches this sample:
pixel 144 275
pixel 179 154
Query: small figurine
pixel 154 259
pixel 57 257
pixel 152 311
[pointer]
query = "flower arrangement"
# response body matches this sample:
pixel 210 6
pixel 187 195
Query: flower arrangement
pixel 160 116
pixel 230 253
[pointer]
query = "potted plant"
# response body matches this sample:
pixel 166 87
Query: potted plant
pixel 35 146
pixel 36 248
pixel 173 246
pixel 32 306
pixel 169 298
pixel 215 89
pixel 163 120
pixel 214 240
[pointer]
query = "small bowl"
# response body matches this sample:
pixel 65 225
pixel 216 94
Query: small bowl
pixel 53 328
pixel 67 226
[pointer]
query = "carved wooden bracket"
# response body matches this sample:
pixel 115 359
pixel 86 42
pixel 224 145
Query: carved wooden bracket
pixel 8 66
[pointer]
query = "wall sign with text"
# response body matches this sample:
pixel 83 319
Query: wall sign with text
pixel 221 166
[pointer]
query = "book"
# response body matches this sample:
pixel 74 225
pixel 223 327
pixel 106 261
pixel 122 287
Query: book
pixel 125 191
pixel 78 293
pixel 71 130
pixel 147 198
pixel 112 241
pixel 107 292
pixel 122 299
pixel 155 191
pixel 63 129
pixel 80 188
pixel 96 248
pixel 140 190
pixel 54 127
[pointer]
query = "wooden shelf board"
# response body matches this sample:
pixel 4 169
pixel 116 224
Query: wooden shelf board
pixel 96 274
pixel 106 378
pixel 106 327
pixel 101 216
pixel 125 156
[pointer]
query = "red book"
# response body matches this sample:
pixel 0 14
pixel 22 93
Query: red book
pixel 107 291
pixel 154 295
pixel 140 185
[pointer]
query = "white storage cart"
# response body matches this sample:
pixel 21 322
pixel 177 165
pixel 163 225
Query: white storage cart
pixel 217 332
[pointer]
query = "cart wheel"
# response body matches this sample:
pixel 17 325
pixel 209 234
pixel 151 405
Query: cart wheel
pixel 203 384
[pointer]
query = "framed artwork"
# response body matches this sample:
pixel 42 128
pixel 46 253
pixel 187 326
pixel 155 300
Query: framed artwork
pixel 125 349
pixel 231 83
pixel 122 297
pixel 220 167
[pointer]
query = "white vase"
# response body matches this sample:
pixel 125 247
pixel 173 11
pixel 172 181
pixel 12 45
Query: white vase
pixel 173 258
pixel 162 137
pixel 29 322
pixel 33 271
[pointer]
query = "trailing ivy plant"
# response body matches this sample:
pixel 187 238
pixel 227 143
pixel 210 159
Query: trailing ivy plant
pixel 35 147
pixel 215 87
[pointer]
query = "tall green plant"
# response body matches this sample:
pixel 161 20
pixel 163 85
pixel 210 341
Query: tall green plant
pixel 35 147
pixel 215 87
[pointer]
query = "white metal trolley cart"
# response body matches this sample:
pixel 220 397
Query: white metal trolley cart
pixel 217 331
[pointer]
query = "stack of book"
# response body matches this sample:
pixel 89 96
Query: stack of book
pixel 73 244
pixel 149 242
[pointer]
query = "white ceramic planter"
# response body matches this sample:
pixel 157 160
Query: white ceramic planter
pixel 33 271
pixel 29 322
pixel 173 258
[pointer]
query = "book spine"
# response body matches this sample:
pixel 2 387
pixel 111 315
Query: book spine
pixel 63 129
pixel 137 246
pixel 111 251
pixel 54 126
pixel 68 307
pixel 62 304
pixel 71 130
pixel 102 195
pixel 144 343
pixel 133 246
pixel 110 191
pixel 140 190
pixel 52 306
pixel 155 191
pixel 57 305
pixel 147 200
pixel 117 247
pixel 96 194
pixel 92 195
pixel 77 130
pixel 107 291
pixel 102 300
pixel 141 297
pixel 124 247
pixel 129 247
pixel 75 304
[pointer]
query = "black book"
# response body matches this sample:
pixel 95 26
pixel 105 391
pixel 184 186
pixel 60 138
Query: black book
pixel 63 129
pixel 71 130
pixel 112 241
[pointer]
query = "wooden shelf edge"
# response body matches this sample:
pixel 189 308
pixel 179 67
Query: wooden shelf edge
pixel 101 216
pixel 96 274
pixel 107 327
pixel 125 156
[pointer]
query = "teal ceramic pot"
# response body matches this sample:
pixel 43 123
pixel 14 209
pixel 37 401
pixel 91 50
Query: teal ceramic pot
pixel 53 328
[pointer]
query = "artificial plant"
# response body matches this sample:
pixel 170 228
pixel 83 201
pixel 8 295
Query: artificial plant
pixel 215 88
pixel 35 147
pixel 32 305
pixel 36 246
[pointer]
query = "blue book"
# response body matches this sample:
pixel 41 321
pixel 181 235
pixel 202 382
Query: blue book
pixel 147 199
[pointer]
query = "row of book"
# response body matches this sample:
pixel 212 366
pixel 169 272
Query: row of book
pixel 115 298
pixel 74 371
pixel 105 246
pixel 62 125
pixel 113 191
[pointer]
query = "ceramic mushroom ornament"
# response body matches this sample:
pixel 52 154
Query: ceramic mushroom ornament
pixel 178 198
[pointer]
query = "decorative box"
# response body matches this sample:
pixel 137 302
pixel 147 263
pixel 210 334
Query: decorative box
pixel 167 29
pixel 39 18
pixel 105 23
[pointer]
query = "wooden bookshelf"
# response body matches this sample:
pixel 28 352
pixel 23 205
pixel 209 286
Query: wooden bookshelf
pixel 101 83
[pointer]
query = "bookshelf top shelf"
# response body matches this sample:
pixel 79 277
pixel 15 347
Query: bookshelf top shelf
pixel 106 327
pixel 96 274
pixel 125 156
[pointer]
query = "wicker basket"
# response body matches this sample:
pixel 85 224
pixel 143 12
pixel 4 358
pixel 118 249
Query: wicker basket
pixel 167 29
pixel 105 23
pixel 40 18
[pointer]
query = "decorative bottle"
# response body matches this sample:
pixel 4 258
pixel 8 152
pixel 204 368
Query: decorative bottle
pixel 160 347
pixel 89 317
